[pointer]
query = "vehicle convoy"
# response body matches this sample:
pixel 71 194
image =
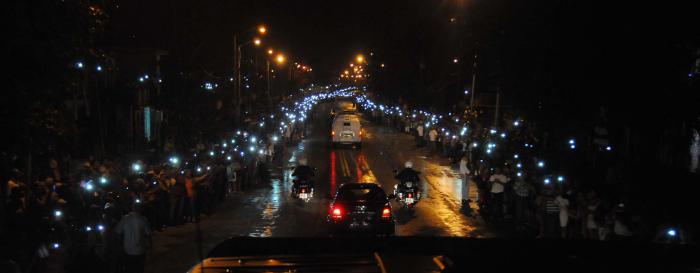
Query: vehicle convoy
pixel 346 130
pixel 360 208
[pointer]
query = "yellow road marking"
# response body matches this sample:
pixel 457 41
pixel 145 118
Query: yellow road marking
pixel 380 262
pixel 344 164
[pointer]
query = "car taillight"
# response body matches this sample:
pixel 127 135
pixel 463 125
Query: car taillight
pixel 337 213
pixel 332 133
pixel 410 195
pixel 386 213
pixel 303 190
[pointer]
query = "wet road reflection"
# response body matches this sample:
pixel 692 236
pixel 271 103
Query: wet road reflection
pixel 437 214
pixel 443 196
pixel 333 173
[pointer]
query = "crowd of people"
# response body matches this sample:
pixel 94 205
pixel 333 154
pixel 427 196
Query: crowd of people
pixel 101 212
pixel 515 191
pixel 98 214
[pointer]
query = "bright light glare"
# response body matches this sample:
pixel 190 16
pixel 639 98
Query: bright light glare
pixel 671 232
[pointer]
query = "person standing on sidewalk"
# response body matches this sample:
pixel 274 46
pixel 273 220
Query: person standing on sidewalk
pixel 137 239
pixel 498 181
pixel 522 192
pixel 420 138
pixel 563 202
pixel 432 136
pixel 231 177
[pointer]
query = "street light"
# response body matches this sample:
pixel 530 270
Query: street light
pixel 280 58
pixel 237 65
pixel 270 51
pixel 360 58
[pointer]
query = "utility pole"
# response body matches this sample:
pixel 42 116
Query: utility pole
pixel 498 105
pixel 100 126
pixel 238 84
pixel 159 53
pixel 236 96
pixel 471 101
pixel 269 87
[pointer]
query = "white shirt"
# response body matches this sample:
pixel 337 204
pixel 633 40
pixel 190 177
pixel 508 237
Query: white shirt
pixel 498 187
pixel 463 169
pixel 433 135
pixel 136 231
pixel 420 130
pixel 563 204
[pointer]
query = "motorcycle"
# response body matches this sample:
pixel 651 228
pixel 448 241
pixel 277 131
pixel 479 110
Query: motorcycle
pixel 303 191
pixel 408 194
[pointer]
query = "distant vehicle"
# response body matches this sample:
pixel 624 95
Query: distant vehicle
pixel 343 107
pixel 361 208
pixel 347 129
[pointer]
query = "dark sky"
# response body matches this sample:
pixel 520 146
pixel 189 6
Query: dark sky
pixel 323 34
pixel 574 36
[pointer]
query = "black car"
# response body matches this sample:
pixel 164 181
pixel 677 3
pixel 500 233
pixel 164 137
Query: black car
pixel 360 208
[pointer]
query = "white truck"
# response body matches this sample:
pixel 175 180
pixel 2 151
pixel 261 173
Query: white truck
pixel 346 130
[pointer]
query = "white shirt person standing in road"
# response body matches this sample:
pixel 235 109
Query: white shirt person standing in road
pixel 464 172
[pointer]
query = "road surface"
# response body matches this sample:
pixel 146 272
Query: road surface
pixel 269 211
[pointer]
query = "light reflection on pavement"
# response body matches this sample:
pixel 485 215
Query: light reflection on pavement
pixel 269 211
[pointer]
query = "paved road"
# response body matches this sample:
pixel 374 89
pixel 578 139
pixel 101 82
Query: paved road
pixel 270 211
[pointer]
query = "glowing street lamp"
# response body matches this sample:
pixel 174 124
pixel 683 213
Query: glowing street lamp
pixel 262 29
pixel 257 41
pixel 270 51
pixel 280 58
pixel 360 58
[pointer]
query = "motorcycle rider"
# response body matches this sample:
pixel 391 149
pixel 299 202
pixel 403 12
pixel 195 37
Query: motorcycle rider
pixel 302 172
pixel 408 174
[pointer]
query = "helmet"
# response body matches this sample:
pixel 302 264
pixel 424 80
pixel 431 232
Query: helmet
pixel 302 161
pixel 408 164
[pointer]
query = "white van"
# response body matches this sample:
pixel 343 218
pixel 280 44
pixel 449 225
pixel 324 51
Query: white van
pixel 346 129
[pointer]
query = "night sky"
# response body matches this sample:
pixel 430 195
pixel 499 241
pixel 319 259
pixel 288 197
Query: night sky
pixel 320 33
